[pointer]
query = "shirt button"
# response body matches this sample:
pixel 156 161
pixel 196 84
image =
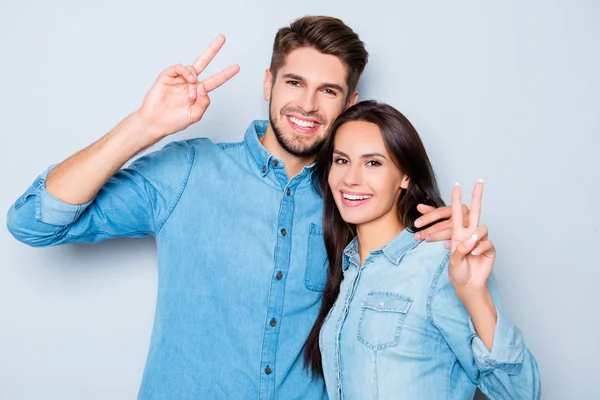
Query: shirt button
pixel 279 276
pixel 274 163
pixel 283 232
pixel 264 169
pixel 268 370
pixel 289 192
pixel 273 323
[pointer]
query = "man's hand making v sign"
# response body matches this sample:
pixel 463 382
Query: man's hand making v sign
pixel 178 99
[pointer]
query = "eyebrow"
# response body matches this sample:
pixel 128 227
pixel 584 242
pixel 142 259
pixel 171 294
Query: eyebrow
pixel 368 155
pixel 326 84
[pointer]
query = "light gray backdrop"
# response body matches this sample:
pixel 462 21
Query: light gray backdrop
pixel 505 91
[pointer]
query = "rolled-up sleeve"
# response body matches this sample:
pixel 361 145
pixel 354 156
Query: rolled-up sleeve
pixel 135 202
pixel 49 209
pixel 507 349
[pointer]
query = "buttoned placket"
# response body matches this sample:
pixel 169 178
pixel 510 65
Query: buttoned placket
pixel 275 170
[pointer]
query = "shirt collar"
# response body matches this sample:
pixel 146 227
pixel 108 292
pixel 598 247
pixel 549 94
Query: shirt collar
pixel 259 154
pixel 393 250
pixel 262 158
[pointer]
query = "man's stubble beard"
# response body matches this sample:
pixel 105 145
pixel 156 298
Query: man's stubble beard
pixel 295 146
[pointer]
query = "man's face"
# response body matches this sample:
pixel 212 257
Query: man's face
pixel 308 93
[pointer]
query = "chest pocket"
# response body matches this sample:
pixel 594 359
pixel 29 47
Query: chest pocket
pixel 381 319
pixel 315 276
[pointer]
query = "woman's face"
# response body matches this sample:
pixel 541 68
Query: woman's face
pixel 364 180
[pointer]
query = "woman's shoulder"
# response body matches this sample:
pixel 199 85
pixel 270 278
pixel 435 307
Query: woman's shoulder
pixel 431 254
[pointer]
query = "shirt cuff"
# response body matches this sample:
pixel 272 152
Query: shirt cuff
pixel 507 348
pixel 51 210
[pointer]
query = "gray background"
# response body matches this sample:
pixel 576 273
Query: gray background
pixel 505 91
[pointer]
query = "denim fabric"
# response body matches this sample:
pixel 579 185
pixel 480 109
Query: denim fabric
pixel 398 331
pixel 241 263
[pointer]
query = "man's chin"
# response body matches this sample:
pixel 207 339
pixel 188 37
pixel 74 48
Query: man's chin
pixel 303 151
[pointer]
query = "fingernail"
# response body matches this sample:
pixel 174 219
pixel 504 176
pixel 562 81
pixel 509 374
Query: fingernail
pixel 427 238
pixel 480 180
pixel 475 252
pixel 457 184
pixel 447 245
pixel 418 223
pixel 191 77
pixel 193 94
pixel 471 241
pixel 417 235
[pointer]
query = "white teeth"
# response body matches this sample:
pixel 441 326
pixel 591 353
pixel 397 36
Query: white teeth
pixel 353 197
pixel 303 124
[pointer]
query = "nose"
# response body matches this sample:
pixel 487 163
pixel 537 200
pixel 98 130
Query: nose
pixel 308 102
pixel 353 175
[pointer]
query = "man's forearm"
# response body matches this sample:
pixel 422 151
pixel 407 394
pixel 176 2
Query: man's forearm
pixel 79 178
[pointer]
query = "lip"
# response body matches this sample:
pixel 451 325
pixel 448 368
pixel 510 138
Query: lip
pixel 354 203
pixel 305 131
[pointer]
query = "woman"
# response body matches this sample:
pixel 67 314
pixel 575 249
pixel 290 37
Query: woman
pixel 401 318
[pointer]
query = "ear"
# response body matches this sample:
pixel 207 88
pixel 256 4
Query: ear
pixel 352 99
pixel 405 182
pixel 267 85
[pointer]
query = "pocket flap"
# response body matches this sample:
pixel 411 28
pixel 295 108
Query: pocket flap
pixel 387 302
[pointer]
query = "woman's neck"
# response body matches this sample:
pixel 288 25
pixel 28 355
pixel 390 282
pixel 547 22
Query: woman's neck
pixel 376 234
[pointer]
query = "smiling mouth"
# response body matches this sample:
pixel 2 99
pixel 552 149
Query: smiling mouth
pixel 355 200
pixel 353 197
pixel 302 125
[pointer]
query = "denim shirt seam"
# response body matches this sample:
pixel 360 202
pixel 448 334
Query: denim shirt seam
pixel 433 289
pixel 191 159
pixel 109 234
pixel 229 145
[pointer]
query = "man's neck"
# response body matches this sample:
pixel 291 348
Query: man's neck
pixel 293 165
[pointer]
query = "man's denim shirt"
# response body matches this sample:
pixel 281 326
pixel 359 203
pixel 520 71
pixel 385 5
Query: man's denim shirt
pixel 398 331
pixel 241 263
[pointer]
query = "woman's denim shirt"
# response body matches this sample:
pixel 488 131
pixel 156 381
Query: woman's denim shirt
pixel 399 331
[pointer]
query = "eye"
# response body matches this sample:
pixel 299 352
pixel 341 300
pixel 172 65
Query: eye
pixel 330 92
pixel 293 83
pixel 340 161
pixel 373 163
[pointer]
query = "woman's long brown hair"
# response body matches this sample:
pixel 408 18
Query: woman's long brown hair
pixel 406 149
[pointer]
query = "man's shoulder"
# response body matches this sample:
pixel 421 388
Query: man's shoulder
pixel 206 144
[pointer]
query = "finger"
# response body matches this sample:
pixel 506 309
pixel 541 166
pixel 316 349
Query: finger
pixel 444 226
pixel 179 71
pixel 476 204
pixel 445 234
pixel 192 71
pixel 217 80
pixel 435 214
pixel 192 89
pixel 456 208
pixel 198 109
pixel 480 233
pixel 193 92
pixel 424 208
pixel 485 248
pixel 205 58
pixel 448 245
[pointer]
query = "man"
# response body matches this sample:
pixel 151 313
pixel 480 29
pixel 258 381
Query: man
pixel 241 257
